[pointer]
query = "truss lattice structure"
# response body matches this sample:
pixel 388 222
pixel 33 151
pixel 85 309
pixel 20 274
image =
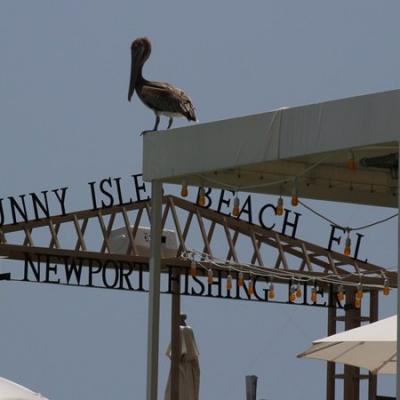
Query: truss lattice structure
pixel 85 235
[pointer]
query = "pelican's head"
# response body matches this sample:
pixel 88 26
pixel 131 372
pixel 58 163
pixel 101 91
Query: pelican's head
pixel 140 52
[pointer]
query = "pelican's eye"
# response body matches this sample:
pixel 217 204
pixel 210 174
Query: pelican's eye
pixel 138 46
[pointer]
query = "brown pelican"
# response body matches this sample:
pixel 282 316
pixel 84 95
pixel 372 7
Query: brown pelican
pixel 162 98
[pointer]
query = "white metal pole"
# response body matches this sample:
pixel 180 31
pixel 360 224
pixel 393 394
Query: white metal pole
pixel 154 291
pixel 398 285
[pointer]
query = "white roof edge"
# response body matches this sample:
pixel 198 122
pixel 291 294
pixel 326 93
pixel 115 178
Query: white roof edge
pixel 281 134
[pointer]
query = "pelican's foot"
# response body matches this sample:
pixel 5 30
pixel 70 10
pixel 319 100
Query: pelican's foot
pixel 148 130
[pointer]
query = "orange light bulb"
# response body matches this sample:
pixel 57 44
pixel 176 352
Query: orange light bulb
pixel 357 303
pixel 314 295
pixel 347 247
pixel 386 288
pixel 340 293
pixel 250 287
pixel 210 277
pixel 295 198
pixel 279 207
pixel 298 291
pixel 351 162
pixel 236 206
pixel 229 282
pixel 292 295
pixel 271 292
pixel 184 189
pixel 193 268
pixel 240 279
pixel 202 197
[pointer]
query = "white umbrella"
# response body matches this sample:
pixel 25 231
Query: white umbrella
pixel 371 346
pixel 13 391
pixel 189 369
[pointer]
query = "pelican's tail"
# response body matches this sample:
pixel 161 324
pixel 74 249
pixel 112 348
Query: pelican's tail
pixel 190 113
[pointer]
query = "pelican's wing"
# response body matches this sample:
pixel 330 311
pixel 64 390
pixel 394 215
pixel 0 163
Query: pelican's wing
pixel 167 98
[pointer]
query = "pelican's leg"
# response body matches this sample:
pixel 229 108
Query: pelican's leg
pixel 155 126
pixel 157 122
pixel 171 120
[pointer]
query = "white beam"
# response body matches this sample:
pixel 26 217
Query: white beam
pixel 154 292
pixel 281 134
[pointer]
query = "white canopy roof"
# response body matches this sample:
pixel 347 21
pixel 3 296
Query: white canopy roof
pixel 265 152
pixel 301 147
pixel 371 346
pixel 10 390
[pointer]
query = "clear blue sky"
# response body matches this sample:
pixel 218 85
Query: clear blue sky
pixel 65 120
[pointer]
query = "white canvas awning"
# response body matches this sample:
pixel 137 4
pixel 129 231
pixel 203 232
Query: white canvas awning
pixel 10 390
pixel 264 153
pixel 304 147
pixel 371 346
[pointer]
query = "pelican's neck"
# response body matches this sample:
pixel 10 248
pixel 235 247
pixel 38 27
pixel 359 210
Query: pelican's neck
pixel 140 81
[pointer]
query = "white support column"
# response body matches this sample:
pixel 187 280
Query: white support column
pixel 154 292
pixel 398 284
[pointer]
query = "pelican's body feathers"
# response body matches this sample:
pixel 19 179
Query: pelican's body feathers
pixel 166 99
pixel 163 98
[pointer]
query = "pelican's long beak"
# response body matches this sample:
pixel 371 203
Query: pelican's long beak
pixel 134 74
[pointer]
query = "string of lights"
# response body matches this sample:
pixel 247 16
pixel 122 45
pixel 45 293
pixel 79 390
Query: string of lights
pixel 282 274
pixel 199 259
pixel 296 278
pixel 348 228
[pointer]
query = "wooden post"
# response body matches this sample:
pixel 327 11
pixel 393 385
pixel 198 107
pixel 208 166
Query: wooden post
pixel 175 335
pixel 351 374
pixel 331 367
pixel 154 292
pixel 373 316
pixel 251 387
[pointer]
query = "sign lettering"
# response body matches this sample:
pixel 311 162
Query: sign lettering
pixel 112 191
pixel 133 277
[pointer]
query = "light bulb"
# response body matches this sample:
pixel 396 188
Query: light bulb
pixel 229 282
pixel 314 294
pixel 193 268
pixel 351 162
pixel 202 197
pixel 240 279
pixel 184 189
pixel 271 291
pixel 292 295
pixel 340 293
pixel 347 247
pixel 357 303
pixel 210 276
pixel 295 198
pixel 298 290
pixel 236 206
pixel 386 288
pixel 250 287
pixel 279 207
